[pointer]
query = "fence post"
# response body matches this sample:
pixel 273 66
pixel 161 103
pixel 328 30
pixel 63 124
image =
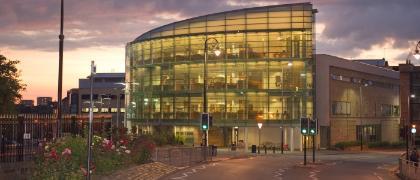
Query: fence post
pixel 19 138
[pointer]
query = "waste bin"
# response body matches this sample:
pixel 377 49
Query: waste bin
pixel 254 148
pixel 214 150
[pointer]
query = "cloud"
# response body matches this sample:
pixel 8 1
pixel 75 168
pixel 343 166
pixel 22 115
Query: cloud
pixel 349 27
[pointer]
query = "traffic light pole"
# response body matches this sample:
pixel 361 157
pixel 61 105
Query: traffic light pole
pixel 313 148
pixel 304 150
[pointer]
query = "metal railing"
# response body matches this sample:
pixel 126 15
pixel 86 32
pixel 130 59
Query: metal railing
pixel 408 170
pixel 21 135
pixel 183 156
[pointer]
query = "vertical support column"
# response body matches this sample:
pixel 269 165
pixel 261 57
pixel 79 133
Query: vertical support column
pixel 246 138
pixel 292 141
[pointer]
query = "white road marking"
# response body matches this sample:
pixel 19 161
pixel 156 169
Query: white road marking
pixel 377 176
pixel 193 170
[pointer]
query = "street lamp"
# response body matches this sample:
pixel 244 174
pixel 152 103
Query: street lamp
pixel 360 112
pixel 215 47
pixel 259 134
pixel 407 122
pixel 417 54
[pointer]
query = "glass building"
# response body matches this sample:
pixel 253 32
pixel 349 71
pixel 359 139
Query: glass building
pixel 264 73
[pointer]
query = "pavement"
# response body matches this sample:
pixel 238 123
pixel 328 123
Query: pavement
pixel 150 171
pixel 332 165
pixel 342 165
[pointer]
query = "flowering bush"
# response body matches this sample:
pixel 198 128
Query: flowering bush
pixel 66 158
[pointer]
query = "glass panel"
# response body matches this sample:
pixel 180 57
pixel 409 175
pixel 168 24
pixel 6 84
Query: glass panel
pixel 167 107
pixel 257 21
pixel 259 13
pixel 257 75
pixel 181 107
pixel 257 45
pixel 235 46
pixel 235 15
pixel 216 76
pixel 216 29
pixel 235 28
pixel 181 31
pixel 235 106
pixel 257 106
pixel 181 77
pixel 280 44
pixel 235 21
pixel 196 107
pixel 155 105
pixel 198 30
pixel 146 52
pixel 156 79
pixel 198 23
pixel 235 75
pixel 168 50
pixel 196 77
pixel 279 26
pixel 157 51
pixel 277 109
pixel 181 49
pixel 216 23
pixel 279 14
pixel 167 78
pixel 216 105
pixel 279 20
pixel 197 47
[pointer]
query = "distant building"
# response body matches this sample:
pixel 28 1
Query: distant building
pixel 355 100
pixel 410 97
pixel 43 101
pixel 27 103
pixel 25 106
pixel 375 62
pixel 108 96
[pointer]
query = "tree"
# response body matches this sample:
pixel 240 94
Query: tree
pixel 10 84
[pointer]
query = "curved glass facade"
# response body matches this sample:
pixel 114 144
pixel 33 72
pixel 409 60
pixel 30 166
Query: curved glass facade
pixel 264 72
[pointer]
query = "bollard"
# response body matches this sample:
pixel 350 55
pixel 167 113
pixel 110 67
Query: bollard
pixel 265 149
pixel 258 149
pixel 274 150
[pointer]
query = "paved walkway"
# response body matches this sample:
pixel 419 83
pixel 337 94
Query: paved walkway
pixel 148 171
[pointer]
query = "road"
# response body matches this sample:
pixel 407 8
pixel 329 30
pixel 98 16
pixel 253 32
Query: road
pixel 330 165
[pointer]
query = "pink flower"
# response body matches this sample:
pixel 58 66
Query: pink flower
pixel 53 154
pixel 66 151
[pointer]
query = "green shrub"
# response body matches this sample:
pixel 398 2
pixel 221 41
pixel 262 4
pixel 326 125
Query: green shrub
pixel 385 144
pixel 345 144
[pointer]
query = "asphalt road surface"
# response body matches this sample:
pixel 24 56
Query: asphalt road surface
pixel 329 165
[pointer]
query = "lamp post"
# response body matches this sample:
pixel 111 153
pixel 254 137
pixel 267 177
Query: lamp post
pixel 259 135
pixel 89 145
pixel 407 122
pixel 217 52
pixel 417 52
pixel 60 71
pixel 360 111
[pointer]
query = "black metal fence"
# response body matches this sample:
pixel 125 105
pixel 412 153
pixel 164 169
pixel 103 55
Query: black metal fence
pixel 184 156
pixel 22 135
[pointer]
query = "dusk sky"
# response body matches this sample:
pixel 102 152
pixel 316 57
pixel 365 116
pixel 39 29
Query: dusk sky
pixel 99 29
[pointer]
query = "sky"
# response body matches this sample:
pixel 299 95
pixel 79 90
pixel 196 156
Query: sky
pixel 99 29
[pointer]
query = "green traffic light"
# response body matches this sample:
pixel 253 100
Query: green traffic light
pixel 204 126
pixel 304 131
pixel 312 131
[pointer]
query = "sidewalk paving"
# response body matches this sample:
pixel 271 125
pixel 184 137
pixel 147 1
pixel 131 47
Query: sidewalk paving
pixel 150 171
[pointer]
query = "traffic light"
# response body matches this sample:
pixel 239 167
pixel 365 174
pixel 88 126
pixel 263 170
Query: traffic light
pixel 304 123
pixel 205 121
pixel 313 126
